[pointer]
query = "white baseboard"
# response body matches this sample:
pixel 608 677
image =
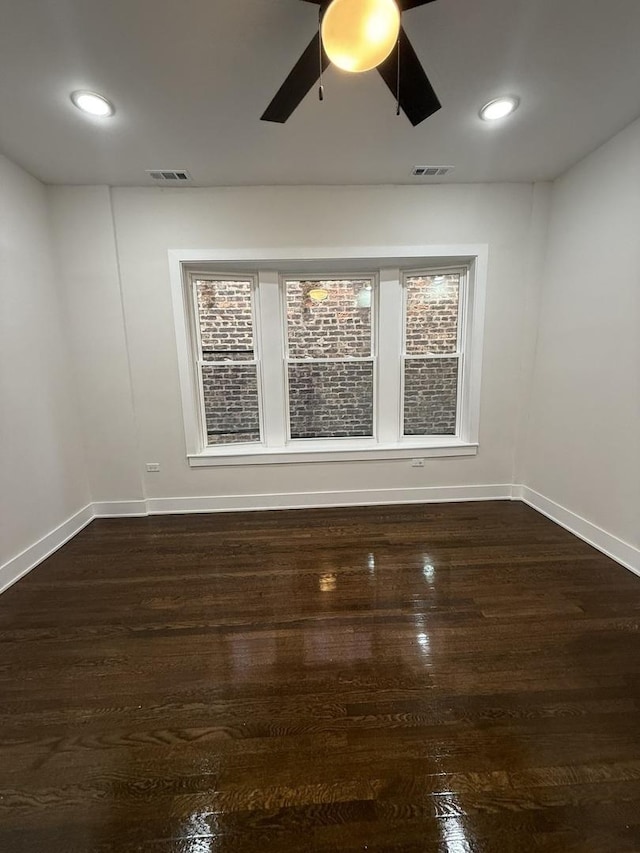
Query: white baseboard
pixel 18 566
pixel 315 500
pixel 624 553
pixel 120 509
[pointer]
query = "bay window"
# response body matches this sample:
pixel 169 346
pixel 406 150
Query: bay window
pixel 285 363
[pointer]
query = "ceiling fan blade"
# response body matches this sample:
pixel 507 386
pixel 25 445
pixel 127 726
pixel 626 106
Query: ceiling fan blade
pixel 304 74
pixel 417 98
pixel 412 4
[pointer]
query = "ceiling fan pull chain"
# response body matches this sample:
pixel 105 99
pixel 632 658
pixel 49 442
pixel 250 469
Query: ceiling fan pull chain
pixel 398 81
pixel 321 87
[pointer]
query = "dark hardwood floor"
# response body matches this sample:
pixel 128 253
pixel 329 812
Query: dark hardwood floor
pixel 455 678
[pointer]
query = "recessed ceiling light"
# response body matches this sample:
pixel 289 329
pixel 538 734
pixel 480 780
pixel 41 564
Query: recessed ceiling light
pixel 499 108
pixel 92 103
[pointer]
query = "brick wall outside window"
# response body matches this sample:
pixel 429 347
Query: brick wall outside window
pixel 335 328
pixel 430 390
pixel 431 385
pixel 334 399
pixel 226 321
pixel 230 390
pixel 432 314
pixel 231 403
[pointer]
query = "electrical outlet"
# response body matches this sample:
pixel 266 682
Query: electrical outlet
pixel 153 467
pixel 417 463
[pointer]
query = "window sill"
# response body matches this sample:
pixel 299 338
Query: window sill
pixel 277 456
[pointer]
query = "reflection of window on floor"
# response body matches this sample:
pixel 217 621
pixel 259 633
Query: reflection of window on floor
pixel 332 338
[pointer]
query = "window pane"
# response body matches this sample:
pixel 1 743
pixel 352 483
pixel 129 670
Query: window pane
pixel 430 394
pixel 226 321
pixel 231 403
pixel 329 319
pixel 432 313
pixel 331 400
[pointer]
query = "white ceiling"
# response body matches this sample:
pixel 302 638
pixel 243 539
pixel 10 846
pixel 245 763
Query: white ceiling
pixel 190 80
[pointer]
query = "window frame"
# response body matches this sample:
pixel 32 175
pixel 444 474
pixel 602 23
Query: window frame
pixel 461 340
pixel 200 362
pixel 270 267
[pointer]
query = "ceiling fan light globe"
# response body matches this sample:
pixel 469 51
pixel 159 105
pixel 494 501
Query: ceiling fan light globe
pixel 358 35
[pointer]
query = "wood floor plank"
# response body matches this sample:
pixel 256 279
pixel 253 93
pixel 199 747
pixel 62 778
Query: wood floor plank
pixel 459 678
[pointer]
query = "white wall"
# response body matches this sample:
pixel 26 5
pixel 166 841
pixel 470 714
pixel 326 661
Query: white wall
pixel 42 472
pixel 582 449
pixel 149 222
pixel 88 264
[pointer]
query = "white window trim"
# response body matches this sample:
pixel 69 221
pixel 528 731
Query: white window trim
pixel 272 263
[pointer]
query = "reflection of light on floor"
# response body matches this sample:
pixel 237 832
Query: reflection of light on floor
pixel 424 643
pixel 371 562
pixel 454 836
pixel 422 636
pixel 429 572
pixel 198 830
pixel 327 582
pixel 200 845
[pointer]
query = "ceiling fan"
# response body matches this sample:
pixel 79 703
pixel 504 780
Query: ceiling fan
pixel 401 69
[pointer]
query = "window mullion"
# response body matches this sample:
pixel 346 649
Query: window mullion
pixel 270 332
pixel 389 348
pixel 431 356
pixel 338 360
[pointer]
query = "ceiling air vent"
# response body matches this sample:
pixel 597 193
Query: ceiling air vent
pixel 169 176
pixel 431 171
